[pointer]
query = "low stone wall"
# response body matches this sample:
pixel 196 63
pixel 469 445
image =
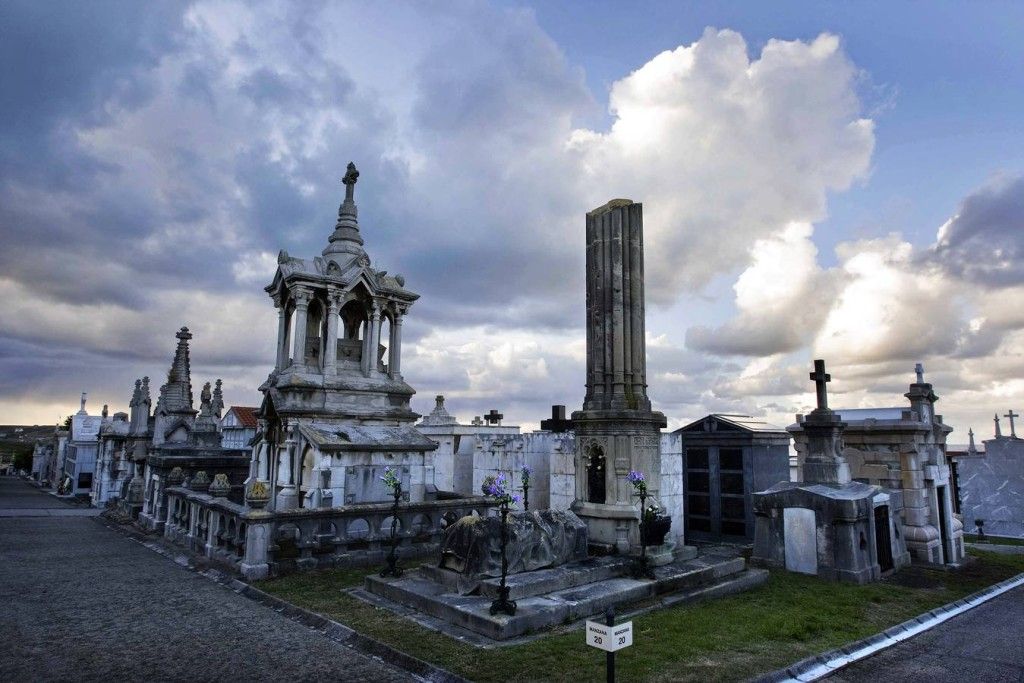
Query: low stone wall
pixel 260 543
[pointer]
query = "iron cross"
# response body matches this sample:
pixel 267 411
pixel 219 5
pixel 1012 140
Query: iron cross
pixel 820 377
pixel 1011 415
pixel 493 417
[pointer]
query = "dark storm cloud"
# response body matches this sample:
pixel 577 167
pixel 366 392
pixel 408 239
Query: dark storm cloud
pixel 984 242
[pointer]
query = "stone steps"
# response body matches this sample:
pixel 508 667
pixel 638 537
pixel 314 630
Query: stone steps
pixel 576 597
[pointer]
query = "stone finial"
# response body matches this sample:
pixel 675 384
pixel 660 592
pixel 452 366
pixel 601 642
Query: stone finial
pixel 220 486
pixel 218 398
pixel 919 370
pixel 205 401
pixel 145 391
pixel 257 495
pixel 200 481
pixel 349 181
pixel 971 448
pixel 81 410
pixel 999 432
pixel 136 395
pixel 175 477
pixel 346 238
pixel 439 415
pixel 176 394
pixel 105 410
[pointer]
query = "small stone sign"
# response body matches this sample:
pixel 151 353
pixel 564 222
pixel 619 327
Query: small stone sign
pixel 609 638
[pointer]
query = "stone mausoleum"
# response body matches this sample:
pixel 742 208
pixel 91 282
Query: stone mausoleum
pixel 903 450
pixel 336 409
pixel 725 459
pixel 828 525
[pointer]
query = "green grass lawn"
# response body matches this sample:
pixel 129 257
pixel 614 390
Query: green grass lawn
pixel 733 638
pixel 994 540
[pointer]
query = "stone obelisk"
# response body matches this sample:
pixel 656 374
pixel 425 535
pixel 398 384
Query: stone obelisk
pixel 616 431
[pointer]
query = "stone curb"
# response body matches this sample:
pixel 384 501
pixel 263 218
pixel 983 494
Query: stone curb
pixel 821 665
pixel 334 630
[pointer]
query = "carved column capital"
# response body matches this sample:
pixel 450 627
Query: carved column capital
pixel 302 295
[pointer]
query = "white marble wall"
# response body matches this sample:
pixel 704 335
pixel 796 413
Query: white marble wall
pixel 672 483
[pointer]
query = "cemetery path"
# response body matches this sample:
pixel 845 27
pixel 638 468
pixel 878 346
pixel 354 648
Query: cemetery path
pixel 82 602
pixel 983 644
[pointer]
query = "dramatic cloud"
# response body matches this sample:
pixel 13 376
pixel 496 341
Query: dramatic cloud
pixel 156 158
pixel 984 241
pixel 782 298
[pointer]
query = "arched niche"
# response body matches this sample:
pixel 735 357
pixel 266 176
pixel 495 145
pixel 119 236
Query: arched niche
pixel 596 474
pixel 352 329
pixel 386 326
pixel 315 333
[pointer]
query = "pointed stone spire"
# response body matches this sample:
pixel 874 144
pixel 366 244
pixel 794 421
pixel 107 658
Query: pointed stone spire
pixel 144 396
pixel 176 394
pixel 346 238
pixel 971 448
pixel 218 399
pixel 136 395
pixel 999 432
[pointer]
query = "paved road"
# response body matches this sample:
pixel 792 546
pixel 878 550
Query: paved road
pixel 983 644
pixel 79 601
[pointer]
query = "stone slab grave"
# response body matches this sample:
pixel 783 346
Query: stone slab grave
pixel 555 581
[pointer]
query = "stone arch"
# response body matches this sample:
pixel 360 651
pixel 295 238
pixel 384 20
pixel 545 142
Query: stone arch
pixel 316 333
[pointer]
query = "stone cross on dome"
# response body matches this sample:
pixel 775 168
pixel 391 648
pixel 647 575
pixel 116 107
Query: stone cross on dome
pixel 493 417
pixel 1011 415
pixel 919 369
pixel 820 378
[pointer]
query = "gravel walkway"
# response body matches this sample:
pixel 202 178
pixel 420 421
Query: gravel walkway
pixel 82 602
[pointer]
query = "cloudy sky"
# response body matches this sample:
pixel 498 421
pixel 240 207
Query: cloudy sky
pixel 819 180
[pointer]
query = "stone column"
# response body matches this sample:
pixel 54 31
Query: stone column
pixel 254 565
pixel 331 348
pixel 302 297
pixel 282 333
pixel 374 339
pixel 395 347
pixel 287 497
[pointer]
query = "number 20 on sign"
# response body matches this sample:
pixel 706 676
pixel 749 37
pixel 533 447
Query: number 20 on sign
pixel 609 638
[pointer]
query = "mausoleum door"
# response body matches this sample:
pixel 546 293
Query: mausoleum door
pixel 883 541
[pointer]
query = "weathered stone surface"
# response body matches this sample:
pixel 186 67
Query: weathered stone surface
pixel 536 539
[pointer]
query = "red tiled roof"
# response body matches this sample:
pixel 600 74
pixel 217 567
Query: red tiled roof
pixel 245 414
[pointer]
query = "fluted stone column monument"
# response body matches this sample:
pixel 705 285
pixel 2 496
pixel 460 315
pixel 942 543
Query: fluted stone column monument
pixel 616 431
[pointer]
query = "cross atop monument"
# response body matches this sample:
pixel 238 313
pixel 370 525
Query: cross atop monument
pixel 1011 415
pixel 820 377
pixel 494 417
pixel 476 422
pixel 919 369
pixel 83 402
pixel 999 433
pixel 349 181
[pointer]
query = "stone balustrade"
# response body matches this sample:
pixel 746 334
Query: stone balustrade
pixel 260 543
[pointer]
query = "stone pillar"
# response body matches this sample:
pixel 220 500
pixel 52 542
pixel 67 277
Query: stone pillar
pixel 616 415
pixel 331 343
pixel 302 297
pixel 282 334
pixel 395 347
pixel 287 497
pixel 254 565
pixel 374 335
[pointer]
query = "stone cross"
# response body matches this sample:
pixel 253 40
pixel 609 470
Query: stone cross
pixel 349 181
pixel 476 422
pixel 820 377
pixel 919 369
pixel 493 417
pixel 1011 415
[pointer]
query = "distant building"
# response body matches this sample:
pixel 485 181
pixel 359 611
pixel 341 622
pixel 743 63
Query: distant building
pixel 238 427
